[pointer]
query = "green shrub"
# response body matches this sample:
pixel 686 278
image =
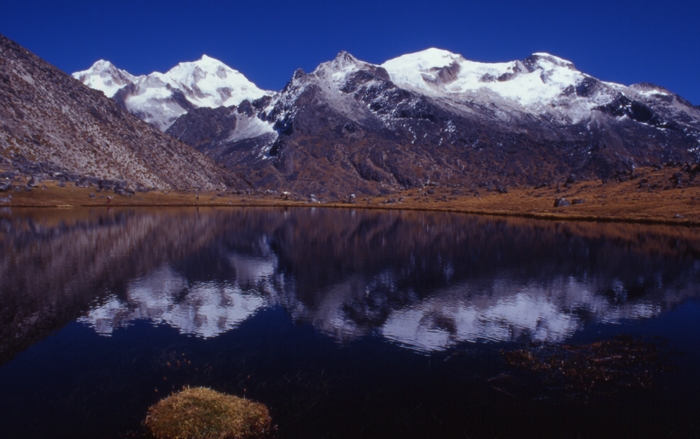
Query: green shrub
pixel 201 413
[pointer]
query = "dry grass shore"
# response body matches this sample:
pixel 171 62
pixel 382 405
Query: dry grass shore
pixel 648 195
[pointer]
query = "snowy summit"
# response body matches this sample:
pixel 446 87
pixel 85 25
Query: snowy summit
pixel 538 79
pixel 104 76
pixel 160 98
pixel 210 83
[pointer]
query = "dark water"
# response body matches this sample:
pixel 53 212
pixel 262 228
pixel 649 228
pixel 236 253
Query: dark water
pixel 345 323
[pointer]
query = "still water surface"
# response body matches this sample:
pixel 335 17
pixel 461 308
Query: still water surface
pixel 345 323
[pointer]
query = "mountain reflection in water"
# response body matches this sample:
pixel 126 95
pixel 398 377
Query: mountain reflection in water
pixel 423 280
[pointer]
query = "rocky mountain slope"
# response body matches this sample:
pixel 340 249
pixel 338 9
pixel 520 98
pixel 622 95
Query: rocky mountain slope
pixel 434 117
pixel 53 121
pixel 160 98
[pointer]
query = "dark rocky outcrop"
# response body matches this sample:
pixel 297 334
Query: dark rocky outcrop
pixel 561 202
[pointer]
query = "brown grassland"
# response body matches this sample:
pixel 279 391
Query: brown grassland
pixel 648 195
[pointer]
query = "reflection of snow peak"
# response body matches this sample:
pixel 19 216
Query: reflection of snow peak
pixel 435 325
pixel 508 312
pixel 203 309
pixel 501 309
pixel 251 269
pixel 211 309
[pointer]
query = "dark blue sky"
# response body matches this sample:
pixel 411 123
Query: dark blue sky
pixel 618 41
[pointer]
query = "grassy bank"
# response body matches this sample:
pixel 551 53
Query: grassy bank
pixel 648 195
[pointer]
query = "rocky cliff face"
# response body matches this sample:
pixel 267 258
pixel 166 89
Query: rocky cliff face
pixel 48 117
pixel 434 117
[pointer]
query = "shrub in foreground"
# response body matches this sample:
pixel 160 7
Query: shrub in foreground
pixel 201 413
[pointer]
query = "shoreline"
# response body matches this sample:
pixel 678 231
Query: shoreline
pixel 645 197
pixel 265 202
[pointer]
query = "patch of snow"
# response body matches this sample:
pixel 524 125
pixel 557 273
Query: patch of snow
pixel 615 85
pixel 249 128
pixel 652 93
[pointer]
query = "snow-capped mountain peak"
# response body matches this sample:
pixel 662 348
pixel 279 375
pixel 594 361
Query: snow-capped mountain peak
pixel 344 60
pixel 554 60
pixel 208 82
pixel 426 60
pixel 539 79
pixel 105 76
pixel 337 68
pixel 160 98
pixel 335 72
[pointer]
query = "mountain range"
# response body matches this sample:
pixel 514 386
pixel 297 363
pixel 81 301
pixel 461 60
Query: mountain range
pixel 349 126
pixel 160 98
pixel 433 116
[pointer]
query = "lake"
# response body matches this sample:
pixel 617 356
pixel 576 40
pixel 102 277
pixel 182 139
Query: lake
pixel 349 323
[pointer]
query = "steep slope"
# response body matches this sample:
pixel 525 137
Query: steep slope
pixel 434 117
pixel 160 98
pixel 47 116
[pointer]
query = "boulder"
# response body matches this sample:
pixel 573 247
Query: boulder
pixel 561 202
pixel 106 185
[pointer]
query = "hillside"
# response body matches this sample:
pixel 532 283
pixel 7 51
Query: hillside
pixel 51 124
